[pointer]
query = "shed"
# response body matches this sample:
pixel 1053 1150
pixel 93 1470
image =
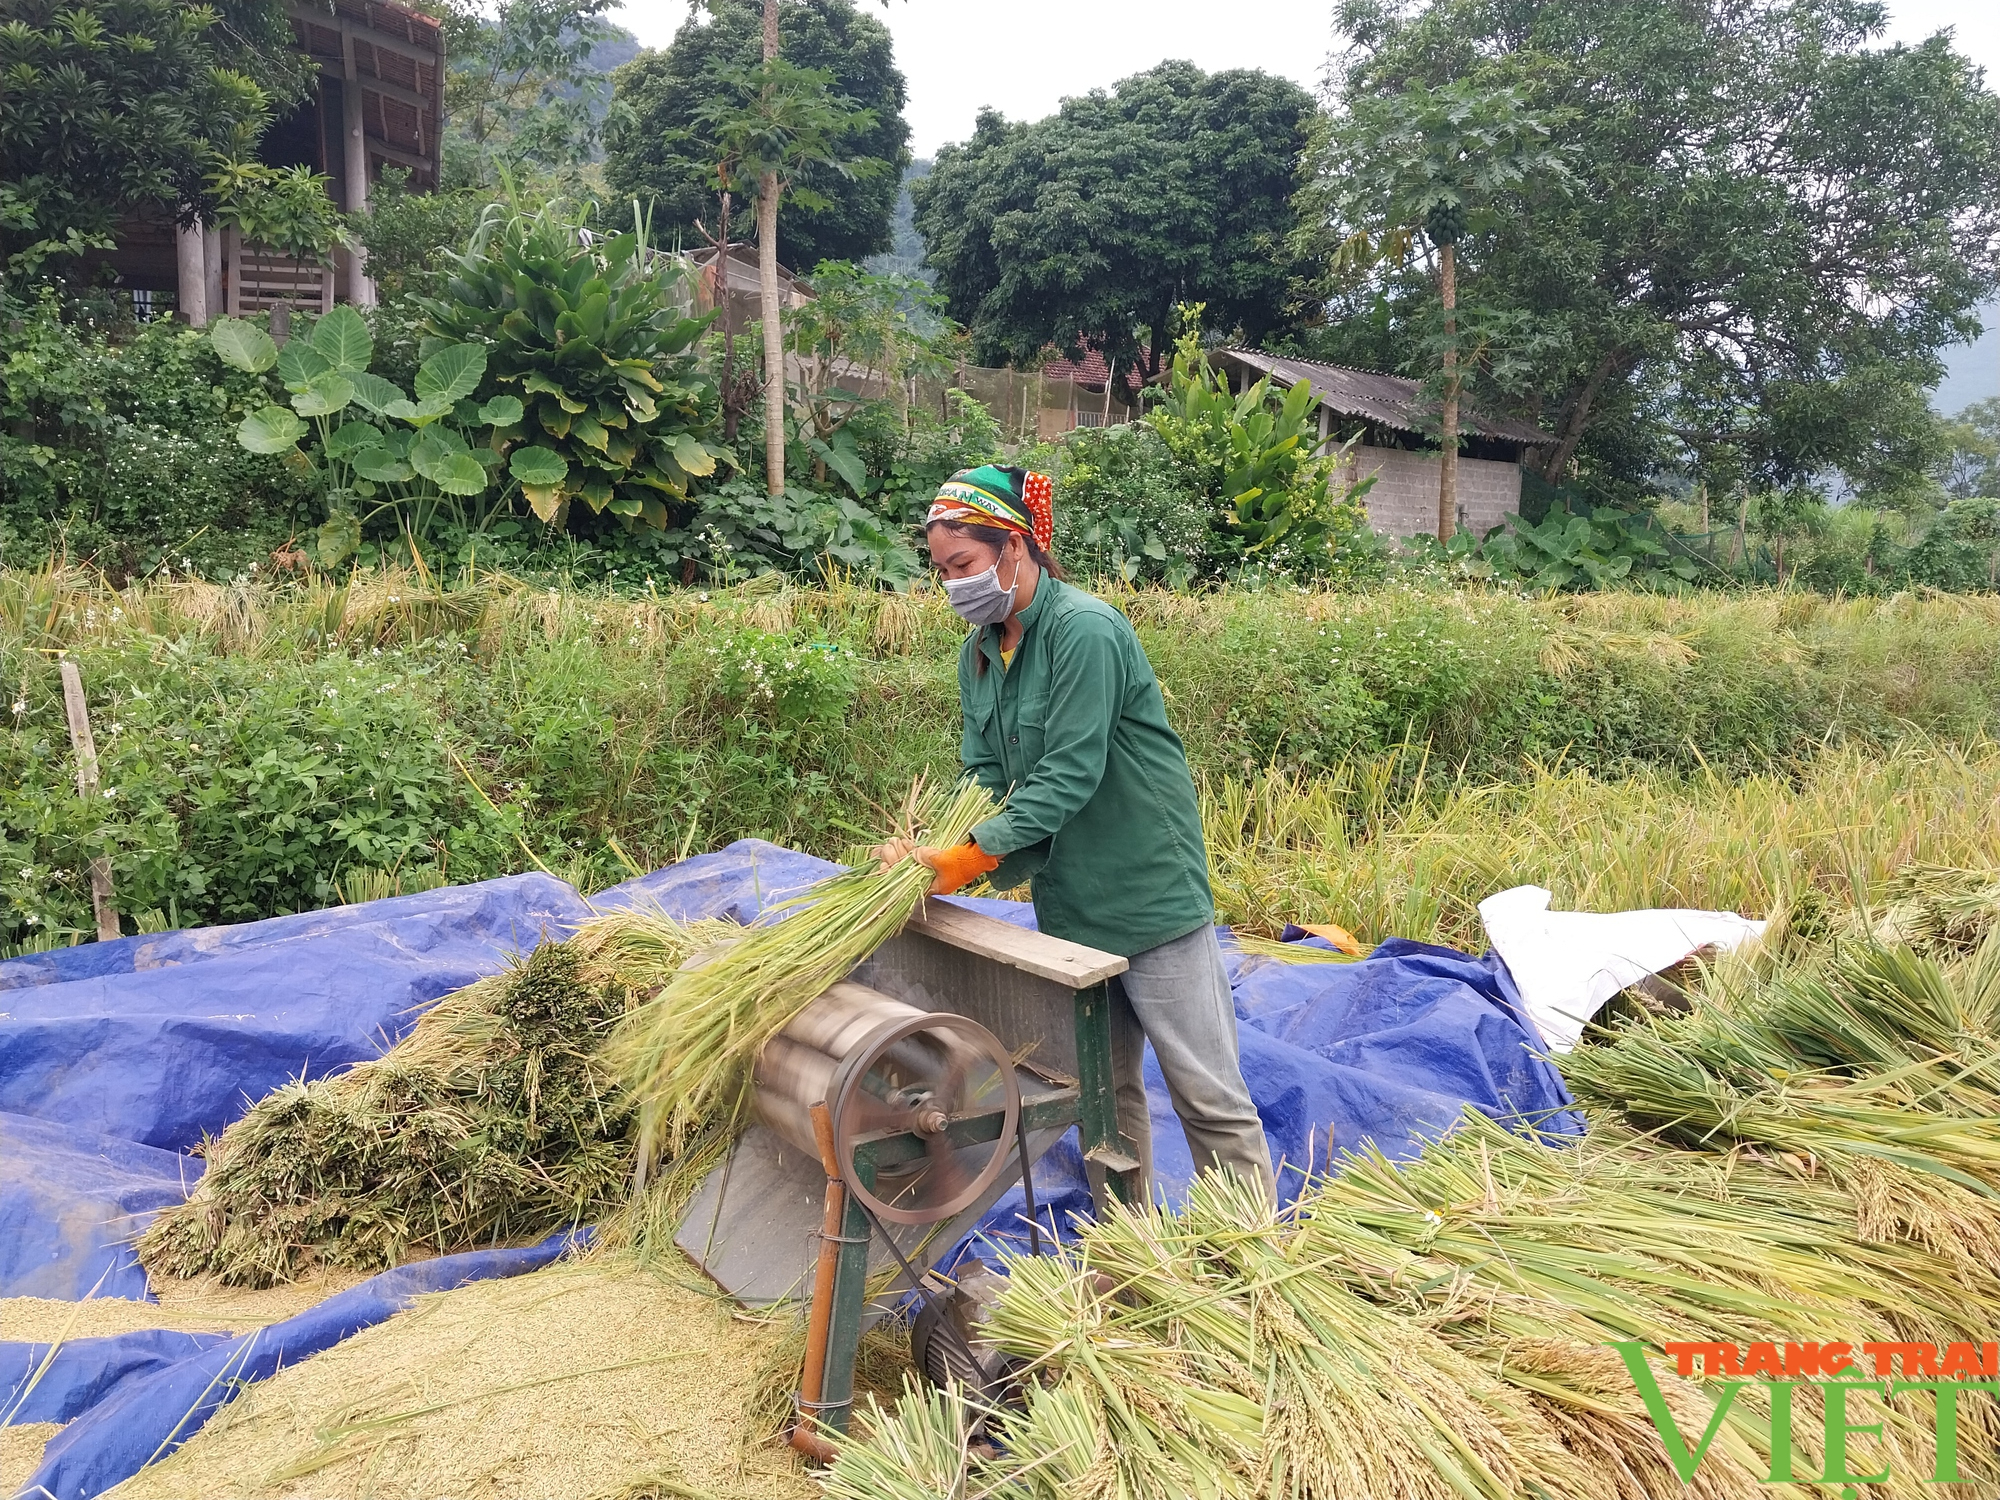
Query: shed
pixel 1396 421
pixel 379 101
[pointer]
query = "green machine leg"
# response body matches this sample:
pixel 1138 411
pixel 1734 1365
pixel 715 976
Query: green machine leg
pixel 1098 1106
pixel 850 1300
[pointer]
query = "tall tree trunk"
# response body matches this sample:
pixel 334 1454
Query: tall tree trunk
pixel 1577 417
pixel 1448 435
pixel 767 278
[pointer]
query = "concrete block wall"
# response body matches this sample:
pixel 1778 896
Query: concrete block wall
pixel 1405 497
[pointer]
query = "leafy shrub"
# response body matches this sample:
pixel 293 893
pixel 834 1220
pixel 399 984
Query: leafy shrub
pixel 409 237
pixel 908 463
pixel 739 530
pixel 1124 508
pixel 595 342
pixel 235 788
pixel 1602 549
pixel 1273 502
pixel 1961 550
pixel 125 452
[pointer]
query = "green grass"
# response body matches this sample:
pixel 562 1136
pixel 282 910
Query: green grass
pixel 270 747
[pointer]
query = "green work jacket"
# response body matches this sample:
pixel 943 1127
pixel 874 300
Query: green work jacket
pixel 1101 810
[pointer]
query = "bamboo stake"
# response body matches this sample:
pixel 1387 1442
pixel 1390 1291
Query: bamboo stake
pixel 84 747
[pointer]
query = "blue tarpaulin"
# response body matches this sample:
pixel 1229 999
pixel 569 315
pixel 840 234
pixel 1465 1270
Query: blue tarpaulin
pixel 117 1057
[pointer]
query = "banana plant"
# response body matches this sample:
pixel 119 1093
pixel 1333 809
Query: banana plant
pixel 374 449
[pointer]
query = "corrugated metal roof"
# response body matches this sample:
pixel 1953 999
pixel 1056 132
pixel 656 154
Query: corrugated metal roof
pixel 1389 400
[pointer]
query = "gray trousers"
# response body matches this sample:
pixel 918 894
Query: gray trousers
pixel 1177 995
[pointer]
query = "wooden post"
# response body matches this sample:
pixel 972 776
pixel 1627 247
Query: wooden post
pixel 85 750
pixel 193 277
pixel 211 267
pixel 354 165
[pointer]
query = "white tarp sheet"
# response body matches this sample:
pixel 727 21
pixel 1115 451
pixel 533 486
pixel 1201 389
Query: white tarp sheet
pixel 1566 964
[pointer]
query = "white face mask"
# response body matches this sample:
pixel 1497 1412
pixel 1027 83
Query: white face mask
pixel 979 599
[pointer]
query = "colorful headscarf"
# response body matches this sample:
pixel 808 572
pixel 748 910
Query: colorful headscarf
pixel 1004 499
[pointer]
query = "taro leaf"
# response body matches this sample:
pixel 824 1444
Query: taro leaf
pixel 243 346
pixel 452 373
pixel 373 392
pixel 596 492
pixel 460 474
pixel 326 395
pixel 338 538
pixel 299 363
pixel 380 466
pixel 351 437
pixel 625 505
pixel 342 337
pixel 270 429
pixel 841 458
pixel 431 453
pixel 501 411
pixel 537 467
pixel 591 431
pixel 440 455
pixel 402 409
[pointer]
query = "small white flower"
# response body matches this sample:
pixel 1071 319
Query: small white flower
pixel 20 707
pixel 110 792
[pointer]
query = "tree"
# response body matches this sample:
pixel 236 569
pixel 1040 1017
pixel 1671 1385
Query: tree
pixel 523 88
pixel 1088 226
pixel 111 105
pixel 1428 165
pixel 1972 468
pixel 860 331
pixel 769 123
pixel 1775 219
pixel 660 147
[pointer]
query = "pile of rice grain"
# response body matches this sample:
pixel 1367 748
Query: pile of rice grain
pixel 591 1381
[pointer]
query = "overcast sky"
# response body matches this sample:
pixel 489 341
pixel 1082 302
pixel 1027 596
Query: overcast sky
pixel 1024 56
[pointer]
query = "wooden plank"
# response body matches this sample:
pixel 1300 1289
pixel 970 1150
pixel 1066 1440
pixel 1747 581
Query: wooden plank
pixel 1069 964
pixel 84 746
pixel 334 66
pixel 398 155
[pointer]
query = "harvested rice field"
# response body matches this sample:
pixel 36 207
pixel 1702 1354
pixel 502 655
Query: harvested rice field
pixel 592 1381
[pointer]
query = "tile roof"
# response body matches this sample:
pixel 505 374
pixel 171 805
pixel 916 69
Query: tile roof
pixel 1090 370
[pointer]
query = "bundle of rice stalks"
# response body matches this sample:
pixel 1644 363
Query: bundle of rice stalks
pixel 685 1053
pixel 1875 1057
pixel 495 1118
pixel 1939 910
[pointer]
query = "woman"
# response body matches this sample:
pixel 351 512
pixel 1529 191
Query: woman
pixel 1064 717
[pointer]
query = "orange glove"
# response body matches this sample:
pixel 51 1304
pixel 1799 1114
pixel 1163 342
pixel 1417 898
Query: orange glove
pixel 953 867
pixel 957 867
